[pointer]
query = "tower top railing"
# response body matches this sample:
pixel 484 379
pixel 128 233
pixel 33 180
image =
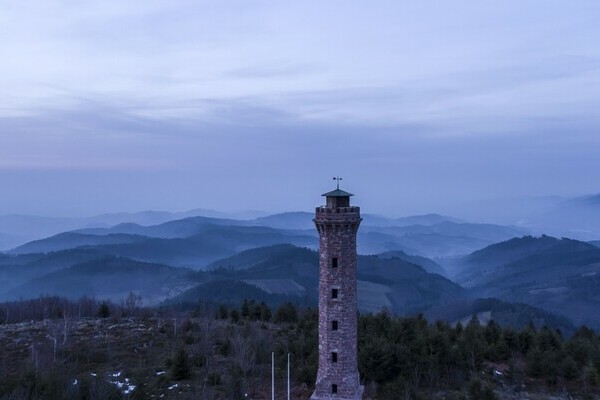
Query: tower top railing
pixel 336 210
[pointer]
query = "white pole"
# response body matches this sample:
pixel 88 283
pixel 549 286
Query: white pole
pixel 288 376
pixel 272 375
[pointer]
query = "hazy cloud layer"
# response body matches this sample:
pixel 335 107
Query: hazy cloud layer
pixel 174 105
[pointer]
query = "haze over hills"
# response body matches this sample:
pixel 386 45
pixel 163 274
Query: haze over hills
pixel 109 278
pixel 577 218
pixel 304 220
pixel 272 274
pixel 430 235
pixel 17 270
pixel 190 242
pixel 273 257
pixel 391 283
pixel 18 229
pixel 437 240
pixel 559 275
pixel 426 263
pixel 216 238
pixel 70 240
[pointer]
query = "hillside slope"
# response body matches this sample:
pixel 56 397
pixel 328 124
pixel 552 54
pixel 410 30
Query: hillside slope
pixel 193 242
pixel 109 278
pixel 558 275
pixel 292 271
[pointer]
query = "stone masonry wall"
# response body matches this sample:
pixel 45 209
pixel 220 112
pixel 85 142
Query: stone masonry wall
pixel 337 232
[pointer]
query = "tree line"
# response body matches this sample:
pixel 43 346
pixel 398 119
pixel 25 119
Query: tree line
pixel 223 352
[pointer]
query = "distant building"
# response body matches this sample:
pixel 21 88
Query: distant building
pixel 337 223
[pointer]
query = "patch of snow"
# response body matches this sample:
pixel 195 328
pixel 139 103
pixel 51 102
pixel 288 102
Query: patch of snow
pixel 124 385
pixel 130 389
pixel 75 382
pixel 160 373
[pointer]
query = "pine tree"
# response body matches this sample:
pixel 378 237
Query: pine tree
pixel 265 312
pixel 245 309
pixel 286 313
pixel 222 312
pixel 180 368
pixel 104 310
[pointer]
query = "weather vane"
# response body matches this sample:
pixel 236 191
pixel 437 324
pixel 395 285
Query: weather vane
pixel 337 179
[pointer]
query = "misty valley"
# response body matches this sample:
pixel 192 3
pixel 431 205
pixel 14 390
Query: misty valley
pixel 191 304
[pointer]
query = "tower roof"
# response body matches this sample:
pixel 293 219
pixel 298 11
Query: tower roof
pixel 337 193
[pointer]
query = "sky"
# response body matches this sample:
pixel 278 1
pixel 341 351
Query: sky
pixel 428 106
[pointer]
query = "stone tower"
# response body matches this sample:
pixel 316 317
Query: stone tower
pixel 337 223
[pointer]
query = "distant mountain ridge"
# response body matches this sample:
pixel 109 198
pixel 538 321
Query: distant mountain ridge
pixel 438 240
pixel 191 242
pixel 577 218
pixel 304 220
pixel 17 229
pixel 70 240
pixel 127 239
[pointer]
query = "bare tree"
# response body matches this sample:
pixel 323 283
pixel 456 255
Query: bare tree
pixel 66 326
pixel 244 351
pixel 132 303
pixel 54 333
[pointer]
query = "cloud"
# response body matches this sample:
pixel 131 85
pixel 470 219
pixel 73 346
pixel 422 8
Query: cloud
pixel 162 53
pixel 423 103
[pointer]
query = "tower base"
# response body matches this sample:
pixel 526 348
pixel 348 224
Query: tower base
pixel 357 396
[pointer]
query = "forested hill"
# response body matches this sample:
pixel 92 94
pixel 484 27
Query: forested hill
pixel 391 283
pixel 57 349
pixel 558 275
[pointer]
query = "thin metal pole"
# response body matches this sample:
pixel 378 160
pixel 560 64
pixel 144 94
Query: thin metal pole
pixel 272 375
pixel 288 398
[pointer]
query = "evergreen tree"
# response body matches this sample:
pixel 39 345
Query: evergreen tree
pixel 265 312
pixel 591 375
pixel 222 312
pixel 245 309
pixel 234 315
pixel 286 313
pixel 104 310
pixel 180 367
